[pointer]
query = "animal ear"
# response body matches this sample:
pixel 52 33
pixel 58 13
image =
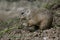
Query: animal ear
pixel 28 11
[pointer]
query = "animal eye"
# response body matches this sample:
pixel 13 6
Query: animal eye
pixel 22 13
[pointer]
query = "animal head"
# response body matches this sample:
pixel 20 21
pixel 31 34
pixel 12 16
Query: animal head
pixel 24 12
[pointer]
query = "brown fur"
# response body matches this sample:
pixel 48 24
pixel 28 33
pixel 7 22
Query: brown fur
pixel 41 18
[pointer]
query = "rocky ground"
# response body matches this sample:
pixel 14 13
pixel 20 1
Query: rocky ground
pixel 11 27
